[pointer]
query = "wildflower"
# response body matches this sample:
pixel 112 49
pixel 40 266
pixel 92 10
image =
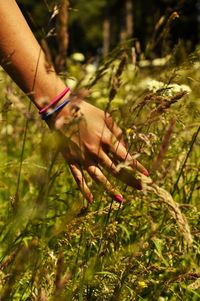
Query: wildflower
pixel 78 57
pixel 167 90
pixel 161 61
pixel 153 85
pixel 129 131
pixel 91 68
pixel 71 82
pixel 142 284
pixel 144 63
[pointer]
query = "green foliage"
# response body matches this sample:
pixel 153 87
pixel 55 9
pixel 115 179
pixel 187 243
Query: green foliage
pixel 52 247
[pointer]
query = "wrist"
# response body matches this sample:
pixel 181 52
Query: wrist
pixel 54 105
pixel 46 88
pixel 52 108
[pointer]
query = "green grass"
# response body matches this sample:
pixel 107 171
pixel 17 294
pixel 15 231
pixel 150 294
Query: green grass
pixel 52 249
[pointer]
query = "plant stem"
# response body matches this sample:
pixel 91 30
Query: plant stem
pixel 186 158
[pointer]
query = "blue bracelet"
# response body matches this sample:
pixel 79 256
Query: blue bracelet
pixel 46 116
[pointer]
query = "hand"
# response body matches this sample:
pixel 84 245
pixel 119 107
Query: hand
pixel 91 141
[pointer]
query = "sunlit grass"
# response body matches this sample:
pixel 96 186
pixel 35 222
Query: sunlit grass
pixel 52 248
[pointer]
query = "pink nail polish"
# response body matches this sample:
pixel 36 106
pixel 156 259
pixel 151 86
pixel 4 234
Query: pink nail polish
pixel 91 199
pixel 146 173
pixel 119 198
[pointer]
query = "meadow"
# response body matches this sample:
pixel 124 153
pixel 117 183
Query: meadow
pixel 54 247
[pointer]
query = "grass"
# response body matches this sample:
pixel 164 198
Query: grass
pixel 148 249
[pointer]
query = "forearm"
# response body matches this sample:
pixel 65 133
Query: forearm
pixel 21 56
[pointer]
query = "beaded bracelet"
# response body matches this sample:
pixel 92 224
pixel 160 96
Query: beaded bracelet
pixel 55 100
pixel 46 116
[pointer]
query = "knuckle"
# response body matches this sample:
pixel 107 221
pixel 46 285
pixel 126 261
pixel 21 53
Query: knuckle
pixel 78 177
pixel 93 149
pixel 108 116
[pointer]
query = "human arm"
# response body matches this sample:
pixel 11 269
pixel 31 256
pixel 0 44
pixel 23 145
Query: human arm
pixel 87 134
pixel 21 56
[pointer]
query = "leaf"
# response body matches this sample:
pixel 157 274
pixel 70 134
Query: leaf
pixel 158 244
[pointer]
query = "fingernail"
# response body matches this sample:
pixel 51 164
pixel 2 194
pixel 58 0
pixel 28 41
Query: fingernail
pixel 146 173
pixel 91 199
pixel 119 198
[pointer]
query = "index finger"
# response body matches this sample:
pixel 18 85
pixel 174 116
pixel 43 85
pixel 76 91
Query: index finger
pixel 120 153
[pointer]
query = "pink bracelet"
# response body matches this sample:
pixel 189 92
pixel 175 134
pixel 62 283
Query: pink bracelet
pixel 55 100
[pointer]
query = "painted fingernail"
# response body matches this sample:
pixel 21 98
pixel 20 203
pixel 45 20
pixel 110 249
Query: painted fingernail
pixel 119 198
pixel 146 173
pixel 91 199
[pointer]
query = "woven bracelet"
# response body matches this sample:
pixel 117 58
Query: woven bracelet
pixel 55 100
pixel 46 116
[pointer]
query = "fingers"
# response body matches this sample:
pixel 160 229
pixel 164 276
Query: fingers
pixel 121 154
pixel 113 127
pixel 99 177
pixel 140 167
pixel 106 162
pixel 118 146
pixel 79 178
pixel 126 175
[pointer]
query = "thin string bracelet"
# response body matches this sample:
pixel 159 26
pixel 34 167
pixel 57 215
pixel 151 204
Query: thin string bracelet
pixel 46 116
pixel 55 100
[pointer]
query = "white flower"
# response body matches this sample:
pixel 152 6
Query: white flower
pixel 144 63
pixel 78 57
pixel 153 85
pixel 168 90
pixel 71 82
pixel 161 61
pixel 90 68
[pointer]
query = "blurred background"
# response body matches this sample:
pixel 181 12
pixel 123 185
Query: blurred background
pixel 95 27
